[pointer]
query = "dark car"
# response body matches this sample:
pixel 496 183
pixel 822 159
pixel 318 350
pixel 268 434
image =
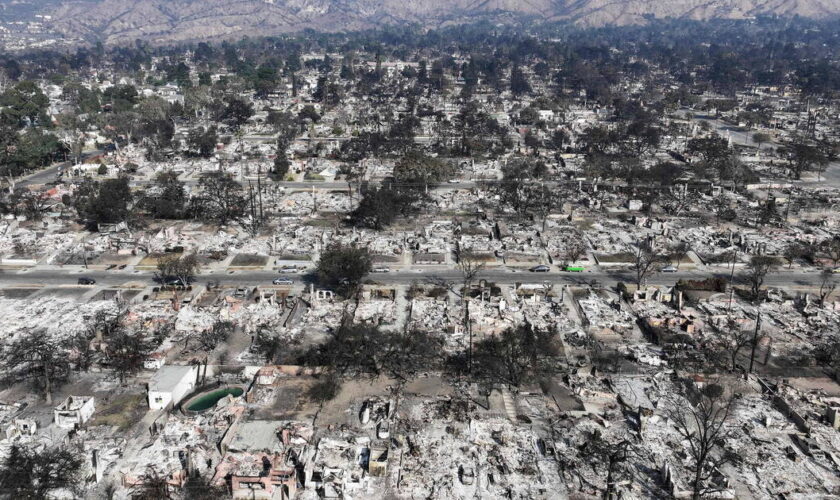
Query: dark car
pixel 87 281
pixel 542 268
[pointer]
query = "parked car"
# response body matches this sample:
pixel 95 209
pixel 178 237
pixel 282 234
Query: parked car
pixel 289 269
pixel 174 282
pixel 381 269
pixel 87 281
pixel 542 268
pixel 669 269
pixel 283 281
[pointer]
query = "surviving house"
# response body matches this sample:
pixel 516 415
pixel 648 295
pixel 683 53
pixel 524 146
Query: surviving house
pixel 170 384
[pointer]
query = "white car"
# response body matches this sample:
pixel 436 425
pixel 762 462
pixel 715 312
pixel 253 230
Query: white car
pixel 669 269
pixel 381 270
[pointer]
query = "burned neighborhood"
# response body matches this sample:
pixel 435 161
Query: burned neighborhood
pixel 497 259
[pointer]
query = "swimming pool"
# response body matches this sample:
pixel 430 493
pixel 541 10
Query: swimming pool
pixel 207 400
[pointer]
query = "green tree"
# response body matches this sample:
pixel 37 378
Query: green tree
pixel 109 204
pixel 32 149
pixel 166 197
pixel 24 104
pixel 517 356
pixel 39 357
pixel 421 171
pixel 126 351
pixel 220 199
pixel 281 160
pixel 203 141
pixel 121 98
pixel 309 112
pixel 342 268
pixel 181 267
pixel 31 474
pixel 236 112
pixel 380 206
pixel 519 82
pixel 802 157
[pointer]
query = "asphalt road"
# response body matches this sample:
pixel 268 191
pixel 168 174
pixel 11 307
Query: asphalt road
pixel 50 173
pixel 12 278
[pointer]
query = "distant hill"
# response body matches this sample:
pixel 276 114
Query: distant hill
pixel 173 20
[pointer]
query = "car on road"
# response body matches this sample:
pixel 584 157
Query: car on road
pixel 574 269
pixel 453 181
pixel 290 269
pixel 542 268
pixel 174 282
pixel 282 281
pixel 84 280
pixel 669 269
pixel 381 270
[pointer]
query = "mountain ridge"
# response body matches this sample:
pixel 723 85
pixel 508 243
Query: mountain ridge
pixel 117 21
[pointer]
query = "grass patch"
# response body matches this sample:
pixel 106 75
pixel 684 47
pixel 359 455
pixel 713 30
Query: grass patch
pixel 249 260
pixel 294 256
pixel 123 411
pixel 152 259
pixel 618 257
pixel 321 222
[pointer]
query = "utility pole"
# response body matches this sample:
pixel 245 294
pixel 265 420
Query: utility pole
pixel 259 194
pixel 755 339
pixel 731 277
pixel 467 325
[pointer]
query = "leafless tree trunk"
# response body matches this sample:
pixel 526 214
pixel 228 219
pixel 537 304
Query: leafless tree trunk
pixel 646 260
pixel 827 285
pixel 700 416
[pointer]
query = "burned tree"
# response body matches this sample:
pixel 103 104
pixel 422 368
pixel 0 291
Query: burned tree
pixel 153 485
pixel 470 266
pixel 574 250
pixel 733 339
pixel 679 252
pixel 210 338
pixel 831 248
pixel 700 416
pixel 757 270
pixel 645 260
pixel 827 285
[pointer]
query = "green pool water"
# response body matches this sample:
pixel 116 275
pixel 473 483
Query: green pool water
pixel 209 400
